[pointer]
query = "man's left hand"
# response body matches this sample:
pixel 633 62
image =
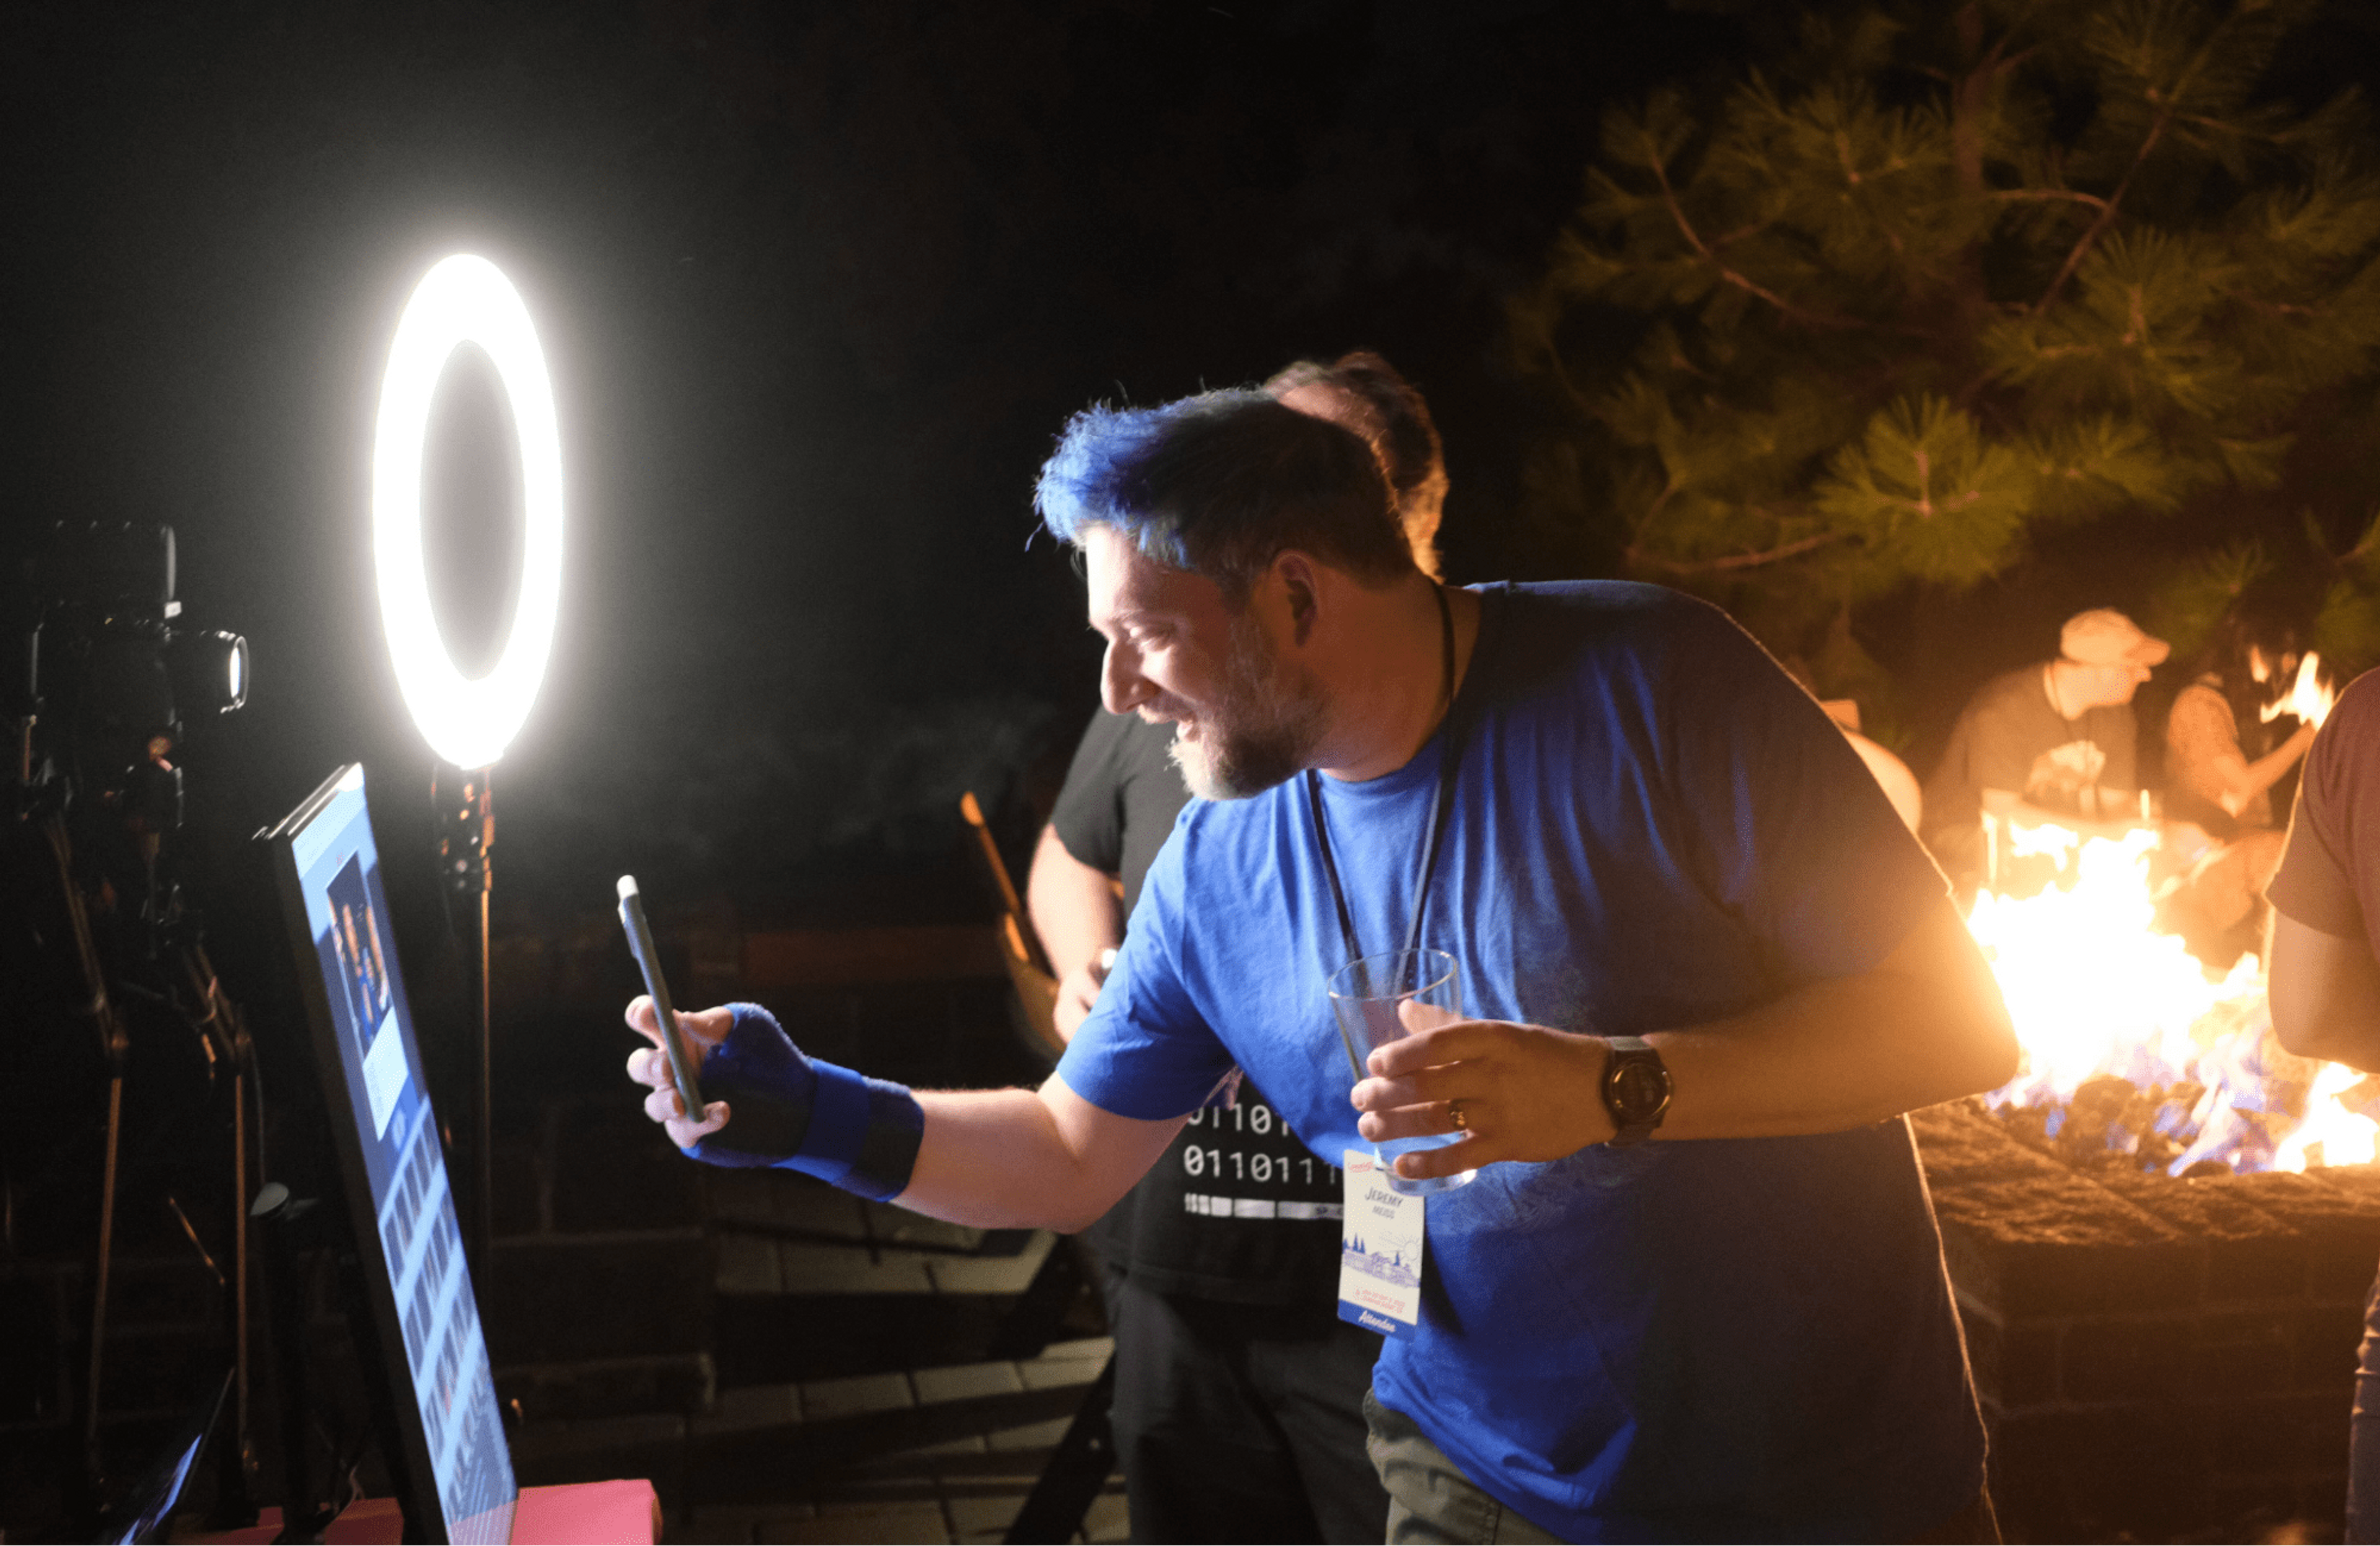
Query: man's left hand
pixel 1525 1093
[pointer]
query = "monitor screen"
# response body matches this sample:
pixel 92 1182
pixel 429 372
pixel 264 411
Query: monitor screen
pixel 414 1275
pixel 142 1512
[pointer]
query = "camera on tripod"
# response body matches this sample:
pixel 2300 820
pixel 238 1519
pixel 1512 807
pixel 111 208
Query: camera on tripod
pixel 118 1019
pixel 106 682
pixel 107 673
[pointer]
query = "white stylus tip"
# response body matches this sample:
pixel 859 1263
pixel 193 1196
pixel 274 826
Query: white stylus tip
pixel 628 887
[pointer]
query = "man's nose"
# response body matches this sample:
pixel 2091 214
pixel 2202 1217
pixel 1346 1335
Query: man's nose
pixel 1122 687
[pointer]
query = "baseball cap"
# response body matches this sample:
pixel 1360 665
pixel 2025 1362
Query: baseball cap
pixel 2104 636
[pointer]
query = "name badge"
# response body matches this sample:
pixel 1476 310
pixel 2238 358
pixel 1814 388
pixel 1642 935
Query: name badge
pixel 1379 1251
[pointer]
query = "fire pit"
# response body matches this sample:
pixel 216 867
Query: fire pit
pixel 2161 1232
pixel 2158 1358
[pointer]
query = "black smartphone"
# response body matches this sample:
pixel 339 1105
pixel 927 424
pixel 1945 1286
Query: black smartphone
pixel 649 961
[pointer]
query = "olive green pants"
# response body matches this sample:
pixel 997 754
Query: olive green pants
pixel 1432 1501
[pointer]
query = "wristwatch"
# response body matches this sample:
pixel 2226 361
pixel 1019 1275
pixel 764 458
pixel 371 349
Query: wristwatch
pixel 1635 1089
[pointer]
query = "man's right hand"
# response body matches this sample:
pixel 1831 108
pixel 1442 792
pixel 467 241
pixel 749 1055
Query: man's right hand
pixel 704 1030
pixel 1078 992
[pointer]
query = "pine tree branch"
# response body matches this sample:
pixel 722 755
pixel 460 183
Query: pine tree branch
pixel 1670 487
pixel 1653 510
pixel 2047 195
pixel 2254 302
pixel 2364 547
pixel 2166 103
pixel 1852 177
pixel 1686 229
pixel 1968 92
pixel 2106 216
pixel 1728 562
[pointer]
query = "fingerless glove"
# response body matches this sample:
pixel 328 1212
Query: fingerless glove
pixel 793 1112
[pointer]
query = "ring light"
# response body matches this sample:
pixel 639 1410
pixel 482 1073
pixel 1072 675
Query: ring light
pixel 465 300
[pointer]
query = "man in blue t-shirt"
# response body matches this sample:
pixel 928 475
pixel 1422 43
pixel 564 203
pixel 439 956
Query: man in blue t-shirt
pixel 1239 1391
pixel 1683 913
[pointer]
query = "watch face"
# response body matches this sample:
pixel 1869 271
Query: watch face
pixel 1639 1089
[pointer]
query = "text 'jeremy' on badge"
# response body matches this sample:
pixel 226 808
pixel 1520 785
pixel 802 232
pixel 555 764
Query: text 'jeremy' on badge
pixel 1379 1251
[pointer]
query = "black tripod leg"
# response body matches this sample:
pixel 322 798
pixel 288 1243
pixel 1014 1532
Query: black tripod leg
pixel 236 1459
pixel 1054 1510
pixel 91 1458
pixel 115 1044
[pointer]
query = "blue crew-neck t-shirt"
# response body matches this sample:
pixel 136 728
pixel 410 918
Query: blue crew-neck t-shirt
pixel 1651 827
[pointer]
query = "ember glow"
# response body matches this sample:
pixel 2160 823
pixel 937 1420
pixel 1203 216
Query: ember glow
pixel 2131 1045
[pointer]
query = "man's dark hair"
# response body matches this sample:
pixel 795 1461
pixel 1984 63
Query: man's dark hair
pixel 1222 483
pixel 1395 419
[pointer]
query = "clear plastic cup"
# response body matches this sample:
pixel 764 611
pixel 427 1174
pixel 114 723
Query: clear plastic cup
pixel 1366 995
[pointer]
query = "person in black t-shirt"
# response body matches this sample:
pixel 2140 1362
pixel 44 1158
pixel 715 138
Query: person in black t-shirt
pixel 2059 737
pixel 1238 1408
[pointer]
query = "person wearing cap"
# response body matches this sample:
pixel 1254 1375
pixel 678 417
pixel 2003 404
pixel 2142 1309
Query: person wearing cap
pixel 2052 742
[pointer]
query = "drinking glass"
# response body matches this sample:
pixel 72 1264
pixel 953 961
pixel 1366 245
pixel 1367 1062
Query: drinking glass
pixel 1365 996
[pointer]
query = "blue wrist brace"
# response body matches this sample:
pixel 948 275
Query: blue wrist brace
pixel 790 1111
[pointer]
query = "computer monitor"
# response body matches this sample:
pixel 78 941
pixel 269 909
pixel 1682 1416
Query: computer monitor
pixel 416 1281
pixel 142 1512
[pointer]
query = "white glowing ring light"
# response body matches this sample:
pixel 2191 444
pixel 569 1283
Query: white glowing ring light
pixel 465 300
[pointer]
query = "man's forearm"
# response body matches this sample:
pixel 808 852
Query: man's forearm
pixel 1927 1025
pixel 1074 907
pixel 1012 1159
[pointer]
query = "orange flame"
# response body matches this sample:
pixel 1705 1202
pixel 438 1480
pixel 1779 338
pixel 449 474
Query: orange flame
pixel 2332 1133
pixel 2095 990
pixel 2308 697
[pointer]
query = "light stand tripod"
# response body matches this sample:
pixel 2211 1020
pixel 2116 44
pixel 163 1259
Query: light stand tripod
pixel 467 831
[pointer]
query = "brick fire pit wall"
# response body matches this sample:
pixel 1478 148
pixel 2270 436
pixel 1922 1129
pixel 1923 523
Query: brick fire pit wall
pixel 2159 1359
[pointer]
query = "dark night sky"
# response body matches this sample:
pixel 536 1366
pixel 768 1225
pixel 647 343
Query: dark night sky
pixel 817 284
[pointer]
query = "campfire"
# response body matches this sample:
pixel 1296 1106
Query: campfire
pixel 2133 1050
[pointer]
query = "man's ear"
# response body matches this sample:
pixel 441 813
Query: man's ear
pixel 1301 591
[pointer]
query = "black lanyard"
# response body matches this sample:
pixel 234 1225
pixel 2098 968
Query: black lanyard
pixel 1440 806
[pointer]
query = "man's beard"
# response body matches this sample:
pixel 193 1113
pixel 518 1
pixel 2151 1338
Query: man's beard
pixel 1263 732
